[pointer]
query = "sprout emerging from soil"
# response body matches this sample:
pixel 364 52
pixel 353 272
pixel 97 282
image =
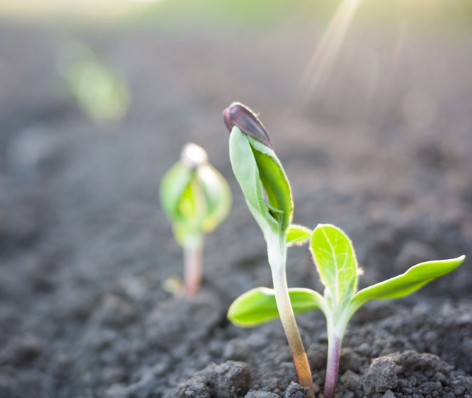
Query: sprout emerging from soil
pixel 336 263
pixel 268 196
pixel 196 198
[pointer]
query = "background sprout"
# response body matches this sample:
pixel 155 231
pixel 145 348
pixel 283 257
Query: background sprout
pixel 336 263
pixel 268 196
pixel 196 198
pixel 100 90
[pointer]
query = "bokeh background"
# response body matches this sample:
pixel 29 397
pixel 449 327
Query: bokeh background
pixel 369 106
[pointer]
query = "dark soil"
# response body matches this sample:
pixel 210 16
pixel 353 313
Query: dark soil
pixel 85 248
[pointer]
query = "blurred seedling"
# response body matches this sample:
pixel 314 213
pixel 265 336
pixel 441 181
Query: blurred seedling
pixel 337 267
pixel 100 90
pixel 268 196
pixel 196 199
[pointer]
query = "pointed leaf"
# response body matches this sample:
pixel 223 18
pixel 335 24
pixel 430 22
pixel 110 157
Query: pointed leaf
pixel 336 262
pixel 298 235
pixel 258 306
pixel 407 283
pixel 275 184
pixel 256 166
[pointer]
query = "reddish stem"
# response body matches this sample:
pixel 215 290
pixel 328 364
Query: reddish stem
pixel 334 350
pixel 193 255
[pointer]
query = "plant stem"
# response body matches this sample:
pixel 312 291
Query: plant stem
pixel 277 259
pixel 193 254
pixel 334 350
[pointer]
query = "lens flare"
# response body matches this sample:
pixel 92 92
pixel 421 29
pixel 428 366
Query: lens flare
pixel 321 63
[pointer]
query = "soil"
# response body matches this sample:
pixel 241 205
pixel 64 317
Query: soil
pixel 85 248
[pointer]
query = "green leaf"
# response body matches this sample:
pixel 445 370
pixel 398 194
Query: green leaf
pixel 258 306
pixel 298 235
pixel 256 167
pixel 173 187
pixel 336 262
pixel 412 280
pixel 194 195
pixel 217 196
pixel 275 184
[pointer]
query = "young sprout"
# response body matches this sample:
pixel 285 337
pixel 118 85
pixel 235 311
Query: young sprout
pixel 336 263
pixel 268 196
pixel 196 198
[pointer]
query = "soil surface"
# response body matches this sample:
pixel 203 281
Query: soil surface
pixel 383 152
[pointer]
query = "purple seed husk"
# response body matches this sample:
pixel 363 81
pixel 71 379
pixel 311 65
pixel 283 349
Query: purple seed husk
pixel 246 120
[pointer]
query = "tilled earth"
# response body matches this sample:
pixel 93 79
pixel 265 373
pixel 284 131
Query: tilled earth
pixel 383 152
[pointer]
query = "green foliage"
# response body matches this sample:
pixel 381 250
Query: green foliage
pixel 194 195
pixel 298 235
pixel 258 306
pixel 336 263
pixel 269 198
pixel 173 187
pixel 100 90
pixel 263 182
pixel 409 282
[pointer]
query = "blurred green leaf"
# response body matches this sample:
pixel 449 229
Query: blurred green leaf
pixel 194 195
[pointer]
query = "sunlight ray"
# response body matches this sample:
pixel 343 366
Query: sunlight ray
pixel 321 63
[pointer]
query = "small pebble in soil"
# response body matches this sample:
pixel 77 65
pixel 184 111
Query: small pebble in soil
pixel 295 390
pixel 351 380
pixel 364 349
pixel 380 376
pixel 196 387
pixel 228 380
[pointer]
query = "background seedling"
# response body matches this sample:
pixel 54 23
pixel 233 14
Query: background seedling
pixel 100 90
pixel 196 198
pixel 268 196
pixel 336 263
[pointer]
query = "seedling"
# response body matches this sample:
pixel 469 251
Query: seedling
pixel 100 90
pixel 268 196
pixel 196 198
pixel 336 263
